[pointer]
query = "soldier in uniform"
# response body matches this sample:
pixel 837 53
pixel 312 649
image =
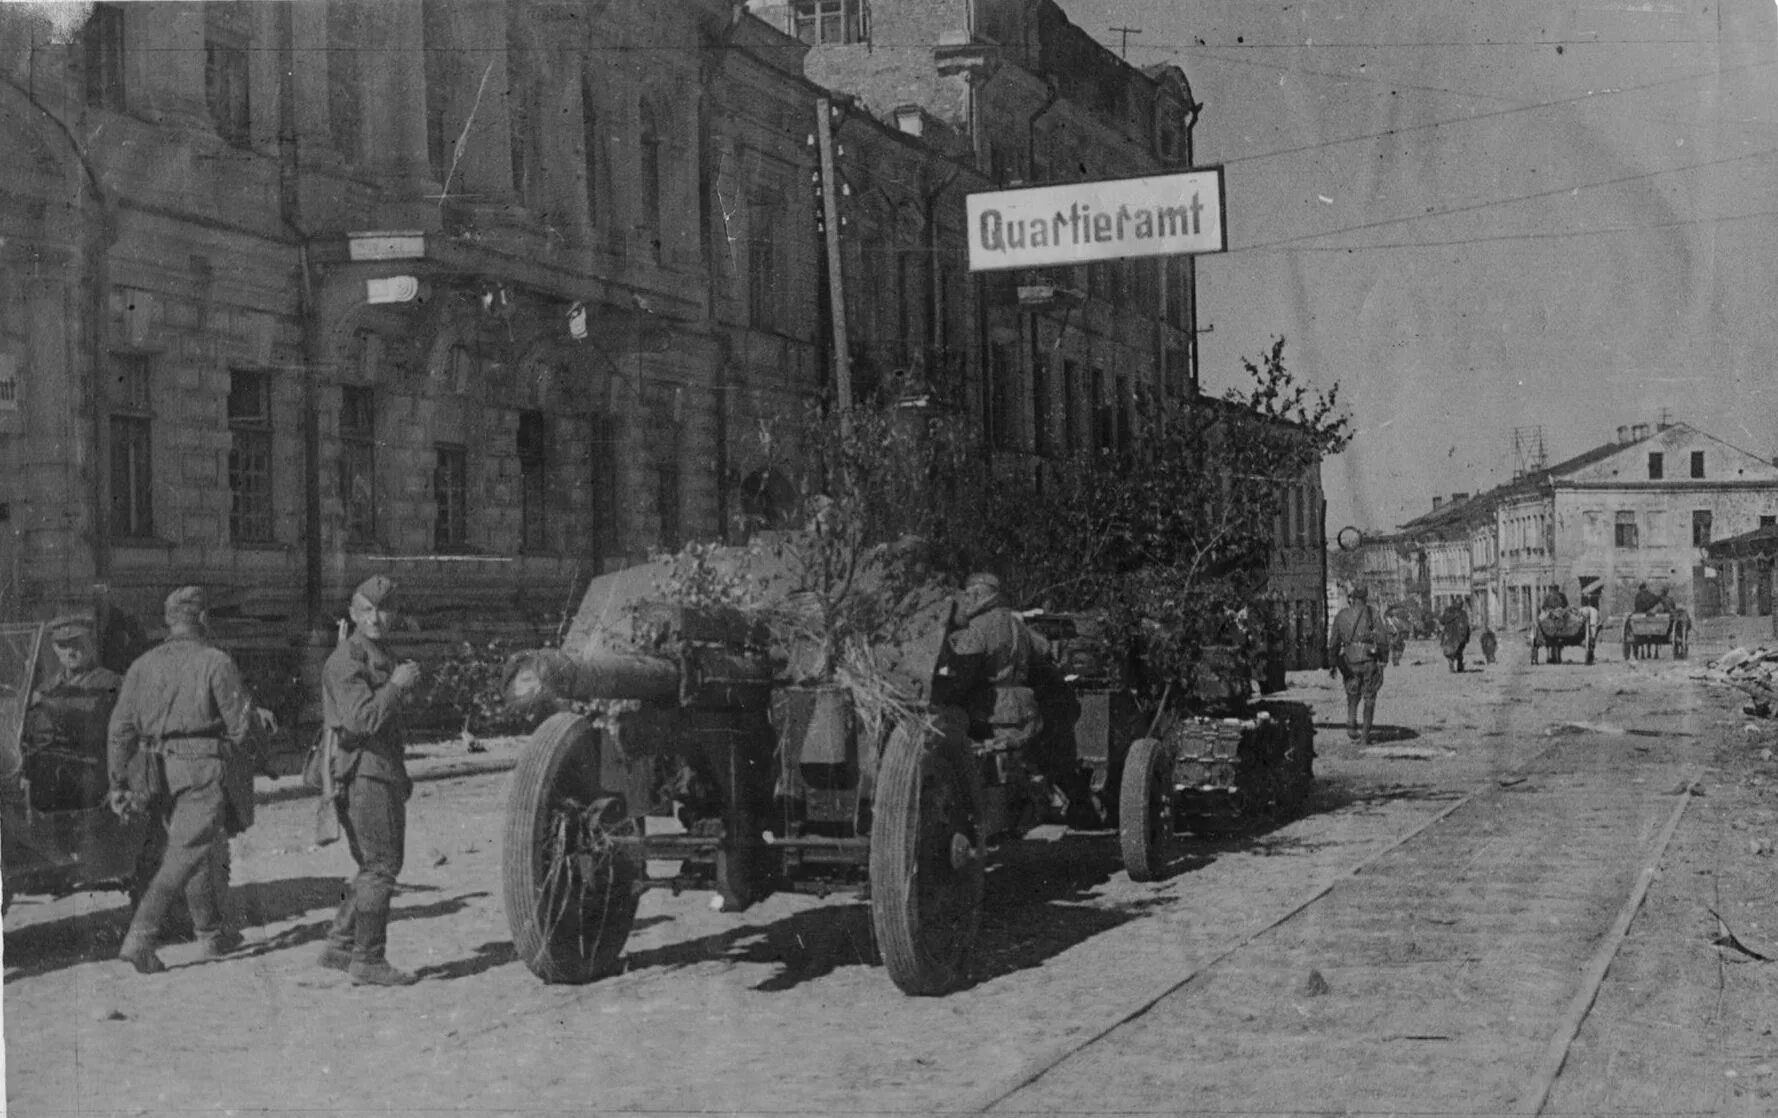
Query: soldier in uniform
pixel 1355 648
pixel 71 711
pixel 361 692
pixel 989 666
pixel 179 745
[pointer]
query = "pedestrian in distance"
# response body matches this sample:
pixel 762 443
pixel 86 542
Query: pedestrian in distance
pixel 1398 638
pixel 1490 644
pixel 362 688
pixel 1454 634
pixel 180 746
pixel 1357 646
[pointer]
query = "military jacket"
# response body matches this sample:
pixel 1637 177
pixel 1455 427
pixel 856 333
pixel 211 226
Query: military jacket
pixel 74 711
pixel 992 654
pixel 358 700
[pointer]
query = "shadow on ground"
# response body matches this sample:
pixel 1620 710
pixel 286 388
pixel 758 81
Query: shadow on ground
pixel 94 936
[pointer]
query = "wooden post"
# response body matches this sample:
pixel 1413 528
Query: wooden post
pixel 830 220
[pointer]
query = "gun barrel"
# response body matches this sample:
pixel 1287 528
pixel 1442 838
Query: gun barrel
pixel 542 677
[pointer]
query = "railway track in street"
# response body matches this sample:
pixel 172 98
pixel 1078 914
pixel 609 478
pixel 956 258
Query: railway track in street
pixel 1448 972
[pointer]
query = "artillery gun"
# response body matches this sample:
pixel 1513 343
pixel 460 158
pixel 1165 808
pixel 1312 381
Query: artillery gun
pixel 774 784
pixel 1193 752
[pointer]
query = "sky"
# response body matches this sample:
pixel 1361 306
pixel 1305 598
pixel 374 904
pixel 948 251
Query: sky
pixel 1482 217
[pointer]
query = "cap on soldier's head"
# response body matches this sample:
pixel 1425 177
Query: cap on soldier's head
pixel 70 628
pixel 377 590
pixel 1359 593
pixel 185 604
pixel 984 580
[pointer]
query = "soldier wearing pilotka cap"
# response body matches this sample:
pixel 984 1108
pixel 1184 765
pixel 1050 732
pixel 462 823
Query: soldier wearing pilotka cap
pixel 361 691
pixel 179 745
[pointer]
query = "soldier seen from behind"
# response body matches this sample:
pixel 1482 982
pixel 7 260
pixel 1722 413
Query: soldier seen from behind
pixel 361 695
pixel 1646 599
pixel 180 744
pixel 1454 634
pixel 1490 644
pixel 1357 644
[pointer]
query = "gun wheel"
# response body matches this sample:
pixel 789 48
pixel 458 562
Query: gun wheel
pixel 567 877
pixel 925 861
pixel 1145 809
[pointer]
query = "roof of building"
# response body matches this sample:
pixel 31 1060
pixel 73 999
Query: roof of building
pixel 1760 541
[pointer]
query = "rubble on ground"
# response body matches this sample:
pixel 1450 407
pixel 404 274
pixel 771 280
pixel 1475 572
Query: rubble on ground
pixel 1754 671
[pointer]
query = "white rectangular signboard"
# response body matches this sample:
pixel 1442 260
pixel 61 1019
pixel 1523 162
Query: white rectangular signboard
pixel 1113 219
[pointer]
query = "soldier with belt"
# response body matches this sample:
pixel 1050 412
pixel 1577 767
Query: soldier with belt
pixel 988 668
pixel 361 692
pixel 178 745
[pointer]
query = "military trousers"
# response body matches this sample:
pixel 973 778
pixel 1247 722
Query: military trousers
pixel 194 859
pixel 373 817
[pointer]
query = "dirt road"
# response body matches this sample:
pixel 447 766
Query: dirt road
pixel 1427 938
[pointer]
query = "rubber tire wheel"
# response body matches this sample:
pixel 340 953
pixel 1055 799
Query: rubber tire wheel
pixel 925 890
pixel 561 760
pixel 1145 810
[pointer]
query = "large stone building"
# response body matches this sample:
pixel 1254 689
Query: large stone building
pixel 490 296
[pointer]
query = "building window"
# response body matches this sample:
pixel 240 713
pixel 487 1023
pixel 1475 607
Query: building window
pixel 1697 463
pixel 667 500
pixel 1000 362
pixel 1040 394
pixel 450 492
pixel 358 463
pixel 1768 521
pixel 104 57
pixel 533 452
pixel 591 157
pixel 828 21
pixel 762 267
pixel 225 74
pixel 441 69
pixel 1625 530
pixel 1701 527
pixel 653 151
pixel 250 457
pixel 1655 466
pixel 345 111
pixel 132 468
pixel 912 299
pixel 521 114
pixel 1070 404
pixel 1104 421
pixel 602 485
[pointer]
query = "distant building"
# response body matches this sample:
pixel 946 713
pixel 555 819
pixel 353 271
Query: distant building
pixel 1644 508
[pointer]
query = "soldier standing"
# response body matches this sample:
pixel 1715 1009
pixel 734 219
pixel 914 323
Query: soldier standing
pixel 361 691
pixel 1355 644
pixel 71 710
pixel 178 745
pixel 990 666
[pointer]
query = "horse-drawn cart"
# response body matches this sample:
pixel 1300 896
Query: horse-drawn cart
pixel 1557 629
pixel 1645 633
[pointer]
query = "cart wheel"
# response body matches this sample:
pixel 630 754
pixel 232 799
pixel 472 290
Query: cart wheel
pixel 925 861
pixel 567 883
pixel 1145 809
pixel 1682 645
pixel 1535 645
pixel 1589 650
pixel 1629 647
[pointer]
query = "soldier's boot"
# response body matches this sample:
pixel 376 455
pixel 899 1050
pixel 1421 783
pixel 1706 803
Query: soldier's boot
pixel 1352 719
pixel 1370 715
pixel 138 951
pixel 380 973
pixel 334 958
pixel 216 944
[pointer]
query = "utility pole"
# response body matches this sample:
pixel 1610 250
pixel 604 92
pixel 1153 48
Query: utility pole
pixel 1123 49
pixel 830 221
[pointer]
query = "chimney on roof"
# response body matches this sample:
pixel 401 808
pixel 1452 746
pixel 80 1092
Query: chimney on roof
pixel 1437 503
pixel 1639 432
pixel 1456 497
pixel 1623 434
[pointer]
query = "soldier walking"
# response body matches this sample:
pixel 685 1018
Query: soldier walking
pixel 178 746
pixel 1356 644
pixel 361 692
